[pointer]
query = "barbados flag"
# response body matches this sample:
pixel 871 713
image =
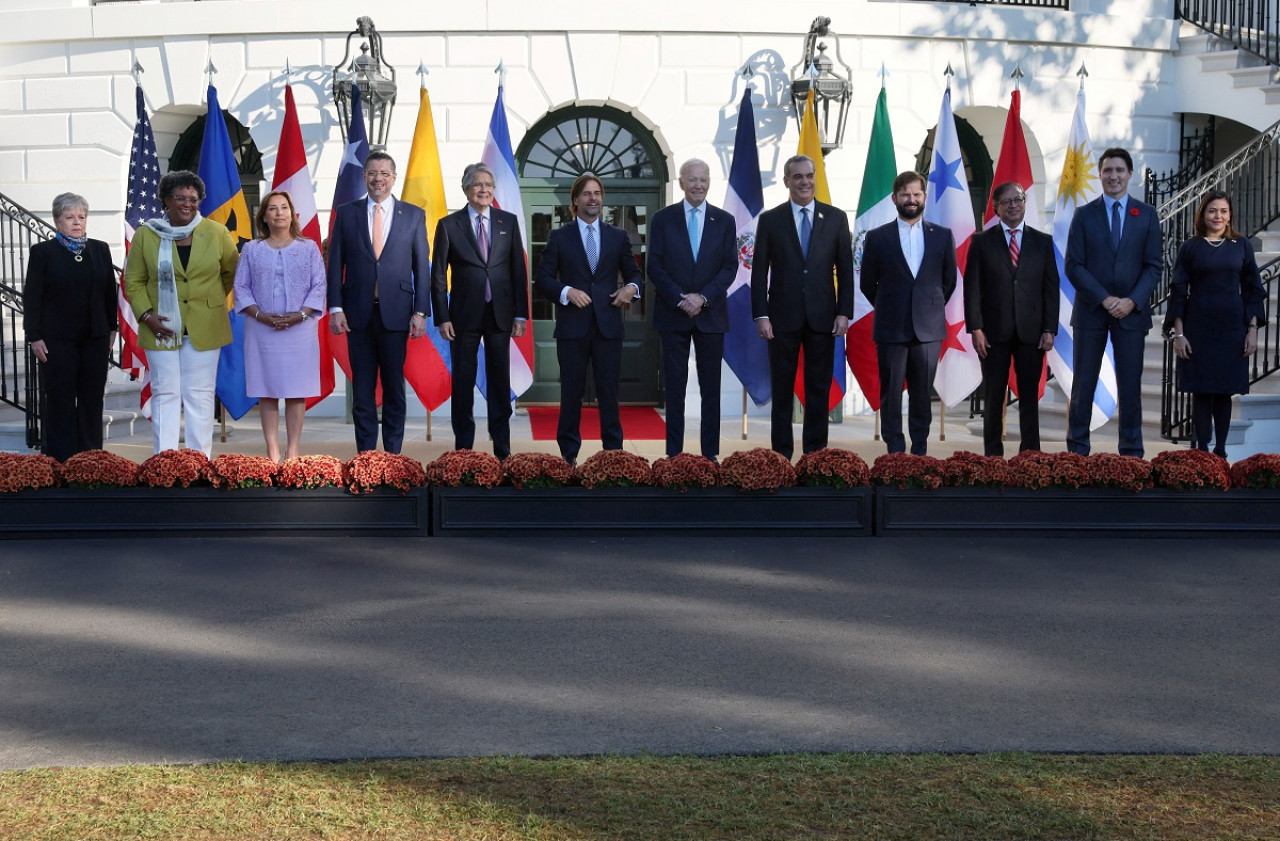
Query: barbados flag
pixel 224 202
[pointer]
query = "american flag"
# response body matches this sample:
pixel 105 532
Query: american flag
pixel 141 205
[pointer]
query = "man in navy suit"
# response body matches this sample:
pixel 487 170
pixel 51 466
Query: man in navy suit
pixel 1113 260
pixel 480 289
pixel 1011 308
pixel 908 273
pixel 379 296
pixel 579 271
pixel 692 262
pixel 801 247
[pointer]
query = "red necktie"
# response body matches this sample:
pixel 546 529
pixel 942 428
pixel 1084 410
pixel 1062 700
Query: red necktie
pixel 1013 247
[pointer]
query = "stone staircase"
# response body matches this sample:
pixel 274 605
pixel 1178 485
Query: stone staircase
pixel 121 415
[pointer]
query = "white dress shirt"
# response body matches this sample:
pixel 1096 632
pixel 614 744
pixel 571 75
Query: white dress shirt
pixel 911 237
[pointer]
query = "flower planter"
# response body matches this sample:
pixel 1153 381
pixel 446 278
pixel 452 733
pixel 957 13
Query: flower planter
pixel 1065 512
pixel 795 511
pixel 68 512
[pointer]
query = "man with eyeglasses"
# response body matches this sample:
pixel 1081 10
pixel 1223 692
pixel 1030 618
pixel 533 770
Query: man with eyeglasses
pixel 1011 308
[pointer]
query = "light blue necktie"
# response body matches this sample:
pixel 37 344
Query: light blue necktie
pixel 693 231
pixel 1116 225
pixel 806 231
pixel 593 252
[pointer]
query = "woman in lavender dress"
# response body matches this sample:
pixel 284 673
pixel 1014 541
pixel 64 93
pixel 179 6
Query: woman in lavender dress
pixel 280 288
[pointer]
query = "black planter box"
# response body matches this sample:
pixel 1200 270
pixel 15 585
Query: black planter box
pixel 808 511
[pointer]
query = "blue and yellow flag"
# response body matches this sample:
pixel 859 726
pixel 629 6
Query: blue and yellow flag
pixel 224 202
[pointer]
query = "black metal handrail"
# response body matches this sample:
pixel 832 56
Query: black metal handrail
pixel 1248 25
pixel 1195 158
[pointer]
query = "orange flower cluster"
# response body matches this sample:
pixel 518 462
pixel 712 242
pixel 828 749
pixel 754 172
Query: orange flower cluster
pixel 171 468
pixel 99 469
pixel 1190 470
pixel 1124 473
pixel 903 470
pixel 758 469
pixel 1034 469
pixel 970 470
pixel 232 470
pixel 832 468
pixel 465 469
pixel 537 470
pixel 615 469
pixel 1257 471
pixel 375 468
pixel 684 471
pixel 310 472
pixel 19 472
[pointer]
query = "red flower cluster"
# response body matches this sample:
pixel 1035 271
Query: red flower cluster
pixel 684 471
pixel 99 469
pixel 832 468
pixel 970 470
pixel 759 469
pixel 615 469
pixel 537 470
pixel 1035 469
pixel 465 469
pixel 1257 471
pixel 20 472
pixel 901 470
pixel 1124 473
pixel 171 468
pixel 310 472
pixel 236 471
pixel 1190 470
pixel 375 468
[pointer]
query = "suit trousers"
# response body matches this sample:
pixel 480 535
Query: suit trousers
pixel 819 360
pixel 74 379
pixel 605 357
pixel 917 363
pixel 497 373
pixel 1088 347
pixel 183 381
pixel 377 353
pixel 1028 362
pixel 709 348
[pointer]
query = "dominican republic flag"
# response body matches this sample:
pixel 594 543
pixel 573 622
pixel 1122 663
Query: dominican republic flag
pixel 293 176
pixel 1079 185
pixel 875 208
pixel 349 187
pixel 141 205
pixel 747 355
pixel 506 196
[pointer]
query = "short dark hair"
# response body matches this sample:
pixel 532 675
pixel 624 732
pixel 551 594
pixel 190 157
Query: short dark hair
pixel 1209 198
pixel 1116 152
pixel 379 156
pixel 176 180
pixel 998 194
pixel 904 178
pixel 580 184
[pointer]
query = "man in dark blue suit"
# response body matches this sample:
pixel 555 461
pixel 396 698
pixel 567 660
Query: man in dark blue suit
pixel 1113 260
pixel 692 262
pixel 579 271
pixel 379 296
pixel 908 273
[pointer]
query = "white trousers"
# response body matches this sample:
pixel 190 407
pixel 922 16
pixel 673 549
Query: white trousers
pixel 183 380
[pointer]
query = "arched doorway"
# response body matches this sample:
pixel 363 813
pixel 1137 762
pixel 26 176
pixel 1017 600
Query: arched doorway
pixel 624 154
pixel 186 155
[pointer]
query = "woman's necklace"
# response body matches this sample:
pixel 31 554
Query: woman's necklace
pixel 278 244
pixel 1215 243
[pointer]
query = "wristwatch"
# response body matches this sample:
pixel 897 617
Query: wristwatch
pixel 420 314
pixel 304 315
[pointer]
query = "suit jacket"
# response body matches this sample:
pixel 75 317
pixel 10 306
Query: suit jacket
pixel 908 308
pixel 564 263
pixel 675 272
pixel 203 285
pixel 1007 303
pixel 1098 271
pixel 791 290
pixel 403 273
pixel 456 259
pixel 304 279
pixel 53 292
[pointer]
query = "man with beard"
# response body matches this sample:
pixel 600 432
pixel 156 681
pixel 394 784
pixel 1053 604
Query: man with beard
pixel 908 273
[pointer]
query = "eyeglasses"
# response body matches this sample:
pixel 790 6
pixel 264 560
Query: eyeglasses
pixel 184 199
pixel 1011 202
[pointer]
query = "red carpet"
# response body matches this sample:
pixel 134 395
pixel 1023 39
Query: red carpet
pixel 639 423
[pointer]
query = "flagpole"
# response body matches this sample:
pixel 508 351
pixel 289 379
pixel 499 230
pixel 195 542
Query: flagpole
pixel 942 420
pixel 744 413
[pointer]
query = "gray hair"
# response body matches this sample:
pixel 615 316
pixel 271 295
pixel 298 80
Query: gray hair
pixel 67 201
pixel 794 159
pixel 694 162
pixel 469 174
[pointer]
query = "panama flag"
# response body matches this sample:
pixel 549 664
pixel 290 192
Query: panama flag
pixel 506 196
pixel 349 187
pixel 292 176
pixel 810 145
pixel 959 371
pixel 224 202
pixel 875 208
pixel 142 205
pixel 1079 185
pixel 747 355
pixel 426 365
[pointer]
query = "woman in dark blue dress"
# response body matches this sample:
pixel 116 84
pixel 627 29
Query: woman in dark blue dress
pixel 1216 303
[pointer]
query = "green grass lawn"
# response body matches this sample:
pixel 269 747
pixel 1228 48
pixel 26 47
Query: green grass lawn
pixel 840 796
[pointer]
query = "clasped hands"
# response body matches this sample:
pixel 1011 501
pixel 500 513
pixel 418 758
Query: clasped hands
pixel 278 320
pixel 1118 307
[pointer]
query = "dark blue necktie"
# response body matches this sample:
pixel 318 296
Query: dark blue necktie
pixel 1115 225
pixel 806 231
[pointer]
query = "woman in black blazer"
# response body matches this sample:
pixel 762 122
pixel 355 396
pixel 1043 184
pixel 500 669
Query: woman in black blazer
pixel 69 315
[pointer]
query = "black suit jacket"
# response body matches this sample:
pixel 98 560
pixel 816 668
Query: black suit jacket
pixel 564 263
pixel 402 274
pixel 789 289
pixel 458 273
pixel 908 308
pixel 1098 271
pixel 52 294
pixel 1007 304
pixel 674 272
